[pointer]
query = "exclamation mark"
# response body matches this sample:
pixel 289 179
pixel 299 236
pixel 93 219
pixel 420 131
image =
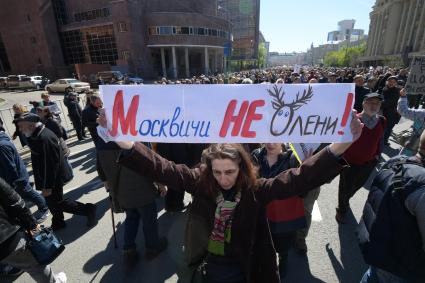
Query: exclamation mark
pixel 347 112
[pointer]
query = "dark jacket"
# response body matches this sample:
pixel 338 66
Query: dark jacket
pixel 47 159
pixel 54 126
pixel 12 168
pixel 74 109
pixel 128 189
pixel 388 232
pixel 251 239
pixel 13 215
pixel 389 105
pixel 360 93
pixel 89 116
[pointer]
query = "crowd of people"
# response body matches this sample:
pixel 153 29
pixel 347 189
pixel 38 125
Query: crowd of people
pixel 249 201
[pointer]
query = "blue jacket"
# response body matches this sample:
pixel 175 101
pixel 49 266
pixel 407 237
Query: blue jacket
pixel 12 168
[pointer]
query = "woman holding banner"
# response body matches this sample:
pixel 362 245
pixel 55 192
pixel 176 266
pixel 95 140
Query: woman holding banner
pixel 227 235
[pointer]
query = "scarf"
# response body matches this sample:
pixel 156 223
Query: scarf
pixel 221 232
pixel 370 121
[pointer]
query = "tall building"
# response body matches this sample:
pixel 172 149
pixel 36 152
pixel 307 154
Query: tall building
pixel 150 38
pixel 396 32
pixel 245 18
pixel 346 31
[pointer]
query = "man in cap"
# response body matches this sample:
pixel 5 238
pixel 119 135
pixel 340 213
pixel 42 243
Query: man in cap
pixel 363 154
pixel 48 169
pixel 391 94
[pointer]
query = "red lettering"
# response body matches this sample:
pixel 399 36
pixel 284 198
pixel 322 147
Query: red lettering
pixel 126 122
pixel 250 117
pixel 229 118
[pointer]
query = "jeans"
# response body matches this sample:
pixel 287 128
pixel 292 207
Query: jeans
pixel 309 200
pixel 22 258
pixel 376 275
pixel 148 215
pixel 28 193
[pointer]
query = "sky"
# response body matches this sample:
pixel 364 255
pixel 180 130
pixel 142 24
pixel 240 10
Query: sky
pixel 293 25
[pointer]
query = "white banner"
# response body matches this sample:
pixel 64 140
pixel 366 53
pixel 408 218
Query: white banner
pixel 262 113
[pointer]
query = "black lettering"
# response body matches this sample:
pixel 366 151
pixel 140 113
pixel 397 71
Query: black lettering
pixel 297 121
pixel 331 126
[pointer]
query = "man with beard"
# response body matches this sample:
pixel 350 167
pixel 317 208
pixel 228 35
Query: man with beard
pixel 363 155
pixel 391 94
pixel 48 168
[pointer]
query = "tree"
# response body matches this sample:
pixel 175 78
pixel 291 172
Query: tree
pixel 346 56
pixel 262 54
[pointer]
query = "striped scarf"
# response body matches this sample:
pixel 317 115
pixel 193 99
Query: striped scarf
pixel 221 232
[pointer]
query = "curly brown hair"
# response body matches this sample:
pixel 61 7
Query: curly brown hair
pixel 247 171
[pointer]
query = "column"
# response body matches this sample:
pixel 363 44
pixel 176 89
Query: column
pixel 407 27
pixel 186 60
pixel 173 49
pixel 206 61
pixel 401 27
pixel 421 29
pixel 164 67
pixel 215 60
pixel 378 35
pixel 391 28
pixel 372 35
pixel 412 23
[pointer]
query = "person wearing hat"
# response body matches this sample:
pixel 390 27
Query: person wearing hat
pixel 391 94
pixel 75 114
pixel 363 154
pixel 360 92
pixel 48 168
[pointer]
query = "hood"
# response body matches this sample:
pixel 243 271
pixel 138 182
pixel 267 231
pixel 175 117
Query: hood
pixel 4 136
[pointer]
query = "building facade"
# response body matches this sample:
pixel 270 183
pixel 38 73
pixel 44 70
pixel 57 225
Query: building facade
pixel 244 16
pixel 396 32
pixel 345 32
pixel 150 38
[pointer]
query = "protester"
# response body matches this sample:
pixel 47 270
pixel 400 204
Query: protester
pixel 392 229
pixel 75 113
pixel 363 155
pixel 391 94
pixel 53 107
pixel 285 216
pixel 180 153
pixel 48 168
pixel 418 117
pixel 15 219
pixel 19 110
pixel 135 195
pixel 227 226
pixel 360 92
pixel 14 172
pixel 47 118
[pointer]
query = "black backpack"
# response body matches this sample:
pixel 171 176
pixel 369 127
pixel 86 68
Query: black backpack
pixel 388 233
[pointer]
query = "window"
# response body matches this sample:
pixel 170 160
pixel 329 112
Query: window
pixel 185 30
pixel 92 15
pixel 33 40
pixel 122 26
pixel 165 30
pixel 126 55
pixel 28 18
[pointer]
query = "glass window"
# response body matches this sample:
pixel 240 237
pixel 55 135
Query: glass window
pixel 184 30
pixel 165 30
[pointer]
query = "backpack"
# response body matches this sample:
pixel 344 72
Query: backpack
pixel 388 233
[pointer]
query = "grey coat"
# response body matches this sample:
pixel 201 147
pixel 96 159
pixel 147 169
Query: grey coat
pixel 128 189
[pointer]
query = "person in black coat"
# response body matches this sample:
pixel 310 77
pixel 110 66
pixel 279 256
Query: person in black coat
pixel 48 164
pixel 391 95
pixel 75 113
pixel 360 93
pixel 15 219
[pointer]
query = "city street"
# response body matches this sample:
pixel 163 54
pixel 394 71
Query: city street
pixel 90 256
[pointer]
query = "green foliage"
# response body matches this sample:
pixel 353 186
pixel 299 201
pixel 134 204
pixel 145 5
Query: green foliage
pixel 346 56
pixel 262 52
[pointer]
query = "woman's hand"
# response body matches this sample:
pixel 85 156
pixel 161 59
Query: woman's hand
pixel 101 120
pixel 403 92
pixel 356 127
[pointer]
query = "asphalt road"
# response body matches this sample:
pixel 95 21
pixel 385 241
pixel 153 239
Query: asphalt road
pixel 90 256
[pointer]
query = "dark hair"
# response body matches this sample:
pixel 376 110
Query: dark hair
pixel 247 171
